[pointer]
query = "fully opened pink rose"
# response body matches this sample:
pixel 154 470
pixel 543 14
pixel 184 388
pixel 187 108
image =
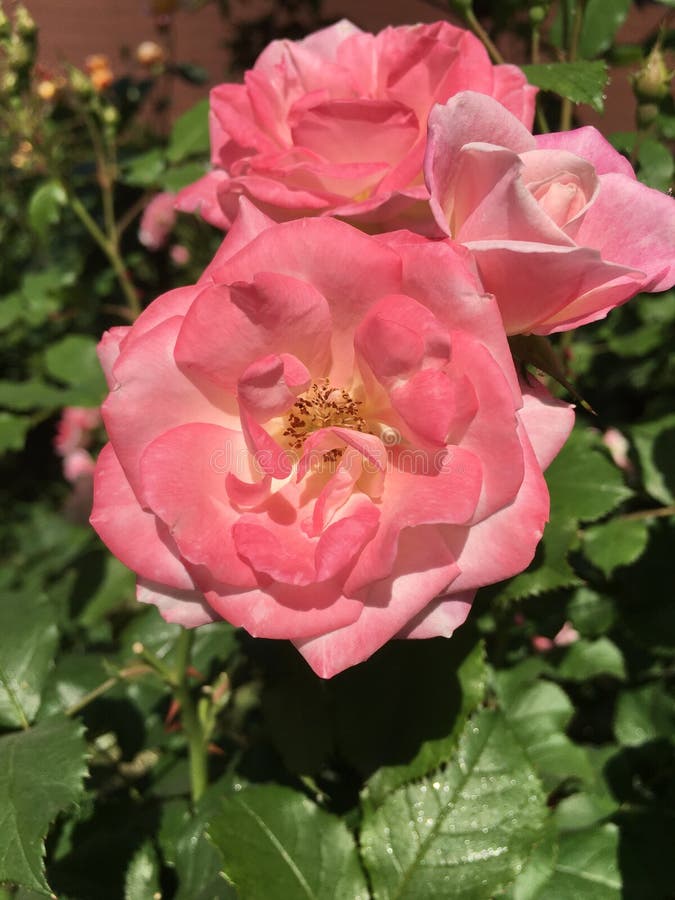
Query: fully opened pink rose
pixel 559 226
pixel 321 438
pixel 336 123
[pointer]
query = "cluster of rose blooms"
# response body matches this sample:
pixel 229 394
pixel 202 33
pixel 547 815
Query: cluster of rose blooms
pixel 326 439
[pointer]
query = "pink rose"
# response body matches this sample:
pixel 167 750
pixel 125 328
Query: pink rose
pixel 74 428
pixel 157 221
pixel 321 437
pixel 336 123
pixel 559 227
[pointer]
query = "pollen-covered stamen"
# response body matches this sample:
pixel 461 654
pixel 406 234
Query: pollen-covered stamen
pixel 322 406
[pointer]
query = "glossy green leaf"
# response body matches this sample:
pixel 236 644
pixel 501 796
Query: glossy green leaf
pixel 465 831
pixel 644 714
pixel 581 82
pixel 657 166
pixel 538 715
pixel 602 19
pixel 616 543
pixel 142 878
pixel 41 774
pixel 592 614
pixel 472 678
pixel 190 134
pixel 145 169
pixel 28 639
pixel 587 867
pixel 584 484
pixel 538 868
pixel 589 659
pixel 178 177
pixel 272 836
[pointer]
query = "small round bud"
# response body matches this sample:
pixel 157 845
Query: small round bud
pixel 24 25
pixel 46 90
pixel 652 82
pixel 110 115
pixel 101 79
pixel 537 14
pixel 96 61
pixel 19 53
pixel 80 83
pixel 149 53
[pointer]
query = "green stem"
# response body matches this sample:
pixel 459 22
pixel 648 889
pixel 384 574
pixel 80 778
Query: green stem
pixel 567 105
pixel 191 725
pixel 105 686
pixel 109 248
pixel 481 33
pixel 660 513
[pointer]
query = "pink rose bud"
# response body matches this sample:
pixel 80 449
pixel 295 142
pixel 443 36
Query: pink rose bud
pixel 324 440
pixel 566 636
pixel 157 221
pixel 75 427
pixel 78 464
pixel 180 255
pixel 618 446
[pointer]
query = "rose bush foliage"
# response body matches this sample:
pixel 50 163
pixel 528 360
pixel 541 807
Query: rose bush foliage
pixel 324 440
pixel 559 226
pixel 336 123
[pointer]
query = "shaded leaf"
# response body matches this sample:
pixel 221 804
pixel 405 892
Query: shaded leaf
pixel 45 205
pixel 142 878
pixel 618 542
pixel 655 445
pixel 28 640
pixel 190 133
pixel 588 659
pixel 587 866
pixel 644 714
pixel 270 835
pixel 41 774
pixel 13 431
pixel 602 19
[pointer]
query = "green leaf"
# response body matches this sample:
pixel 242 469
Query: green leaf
pixel 465 831
pixel 472 677
pixel 584 484
pixel 11 310
pixel 538 869
pixel 25 395
pixel 592 614
pixel 588 659
pixel 145 169
pixel 28 640
pixel 45 205
pixel 655 445
pixel 538 716
pixel 581 82
pixel 190 134
pixel 13 431
pixel 73 361
pixel 602 20
pixel 178 177
pixel 142 878
pixel 270 835
pixel 587 866
pixel 618 542
pixel 644 714
pixel 41 774
pixel 656 164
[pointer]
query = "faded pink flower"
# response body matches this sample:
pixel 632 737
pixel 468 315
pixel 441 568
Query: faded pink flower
pixel 618 446
pixel 566 636
pixel 336 124
pixel 323 440
pixel 559 226
pixel 157 221
pixel 74 428
pixel 78 464
pixel 180 255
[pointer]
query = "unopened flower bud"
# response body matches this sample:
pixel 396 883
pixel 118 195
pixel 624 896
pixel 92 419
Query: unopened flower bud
pixel 19 54
pixel 652 82
pixel 80 83
pixel 110 115
pixel 5 27
pixel 24 24
pixel 46 90
pixel 101 79
pixel 8 82
pixel 96 61
pixel 149 53
pixel 538 14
